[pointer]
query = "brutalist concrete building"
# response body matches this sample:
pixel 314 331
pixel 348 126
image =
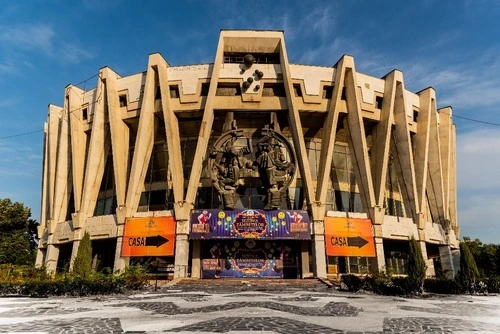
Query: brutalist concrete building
pixel 249 167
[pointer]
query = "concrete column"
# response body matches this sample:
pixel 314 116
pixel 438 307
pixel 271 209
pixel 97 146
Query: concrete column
pixel 402 145
pixel 78 141
pixel 120 262
pixel 97 156
pixel 421 149
pixel 378 262
pixel 304 259
pixel 329 134
pixel 181 255
pixel 429 262
pixel 51 258
pixel 319 255
pixel 40 257
pixel 447 263
pixel 196 259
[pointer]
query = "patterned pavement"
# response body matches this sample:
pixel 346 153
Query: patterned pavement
pixel 305 306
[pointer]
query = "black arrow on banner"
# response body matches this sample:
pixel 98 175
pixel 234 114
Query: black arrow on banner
pixel 354 241
pixel 157 240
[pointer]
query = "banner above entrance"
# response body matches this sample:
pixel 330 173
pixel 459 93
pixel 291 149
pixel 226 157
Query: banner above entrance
pixel 251 224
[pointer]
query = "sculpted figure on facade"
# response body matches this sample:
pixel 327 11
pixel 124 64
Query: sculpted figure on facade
pixel 228 165
pixel 276 171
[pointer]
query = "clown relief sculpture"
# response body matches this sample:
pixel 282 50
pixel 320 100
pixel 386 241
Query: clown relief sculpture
pixel 231 163
pixel 275 162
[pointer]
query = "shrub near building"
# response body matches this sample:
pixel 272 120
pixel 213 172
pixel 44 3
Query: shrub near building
pixel 82 267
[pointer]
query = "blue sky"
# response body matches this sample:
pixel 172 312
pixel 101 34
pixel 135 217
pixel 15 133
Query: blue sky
pixel 453 46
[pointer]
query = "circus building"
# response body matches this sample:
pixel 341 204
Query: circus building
pixel 249 167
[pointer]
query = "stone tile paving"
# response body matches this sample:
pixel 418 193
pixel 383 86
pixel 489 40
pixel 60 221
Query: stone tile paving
pixel 337 309
pixel 435 325
pixel 283 325
pixel 275 324
pixel 296 299
pixel 456 309
pixel 32 312
pixel 67 326
pixel 261 285
pixel 249 295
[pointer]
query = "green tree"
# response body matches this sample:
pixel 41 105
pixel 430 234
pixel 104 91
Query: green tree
pixel 486 257
pixel 18 232
pixel 497 260
pixel 82 267
pixel 416 268
pixel 468 273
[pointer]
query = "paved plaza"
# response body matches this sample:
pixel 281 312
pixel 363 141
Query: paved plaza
pixel 241 306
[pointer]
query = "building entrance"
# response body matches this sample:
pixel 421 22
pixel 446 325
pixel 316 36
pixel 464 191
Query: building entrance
pixel 250 259
pixel 250 243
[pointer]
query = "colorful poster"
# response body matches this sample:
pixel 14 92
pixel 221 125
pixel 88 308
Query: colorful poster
pixel 149 236
pixel 349 237
pixel 250 224
pixel 249 259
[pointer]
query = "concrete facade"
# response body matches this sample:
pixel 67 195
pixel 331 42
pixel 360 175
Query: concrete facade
pixel 366 147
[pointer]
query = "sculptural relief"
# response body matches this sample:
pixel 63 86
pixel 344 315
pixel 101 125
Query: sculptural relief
pixel 231 163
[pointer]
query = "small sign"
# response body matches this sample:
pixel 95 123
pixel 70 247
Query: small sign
pixel 349 237
pixel 149 236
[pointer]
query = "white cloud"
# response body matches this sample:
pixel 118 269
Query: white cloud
pixel 478 163
pixel 322 52
pixel 8 67
pixel 478 160
pixel 478 216
pixel 73 53
pixel 462 84
pixel 8 102
pixel 39 38
pixel 29 36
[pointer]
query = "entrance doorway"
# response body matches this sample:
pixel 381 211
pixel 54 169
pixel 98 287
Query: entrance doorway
pixel 250 258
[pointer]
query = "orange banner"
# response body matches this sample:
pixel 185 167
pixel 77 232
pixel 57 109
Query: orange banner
pixel 149 236
pixel 349 237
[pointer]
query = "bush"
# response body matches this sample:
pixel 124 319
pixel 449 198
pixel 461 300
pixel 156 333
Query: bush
pixel 135 277
pixel 384 284
pixel 468 272
pixel 352 282
pixel 416 268
pixel 8 288
pixel 442 285
pixel 82 267
pixel 19 273
pixel 35 283
pixel 493 284
pixel 72 287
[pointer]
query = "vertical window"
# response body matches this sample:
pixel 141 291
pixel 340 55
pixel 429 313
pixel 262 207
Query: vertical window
pixel 297 90
pixel 327 92
pixel 174 91
pixel 344 94
pixel 378 102
pixel 123 100
pixel 204 88
pixel 84 114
